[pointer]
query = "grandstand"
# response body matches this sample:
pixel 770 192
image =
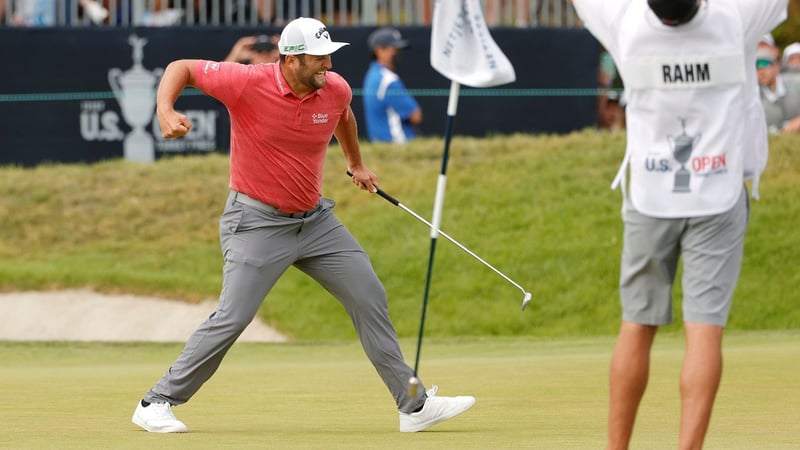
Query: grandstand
pixel 98 100
pixel 129 13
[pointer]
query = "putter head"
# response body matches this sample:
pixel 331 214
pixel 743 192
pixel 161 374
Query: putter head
pixel 526 300
pixel 413 386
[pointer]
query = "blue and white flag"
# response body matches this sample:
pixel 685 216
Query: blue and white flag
pixel 462 48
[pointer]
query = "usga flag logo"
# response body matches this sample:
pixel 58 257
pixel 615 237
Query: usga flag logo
pixel 462 48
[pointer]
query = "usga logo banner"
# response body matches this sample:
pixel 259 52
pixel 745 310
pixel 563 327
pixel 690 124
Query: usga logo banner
pixel 135 92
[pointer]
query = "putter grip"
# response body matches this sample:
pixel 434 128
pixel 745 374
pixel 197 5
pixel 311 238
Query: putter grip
pixel 383 194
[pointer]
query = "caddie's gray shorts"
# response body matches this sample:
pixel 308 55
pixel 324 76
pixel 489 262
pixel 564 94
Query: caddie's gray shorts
pixel 711 248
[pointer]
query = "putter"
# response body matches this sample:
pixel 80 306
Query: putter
pixel 527 295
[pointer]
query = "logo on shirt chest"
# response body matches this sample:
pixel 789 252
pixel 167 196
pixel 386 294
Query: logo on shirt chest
pixel 318 118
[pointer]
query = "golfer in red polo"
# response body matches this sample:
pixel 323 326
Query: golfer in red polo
pixel 283 116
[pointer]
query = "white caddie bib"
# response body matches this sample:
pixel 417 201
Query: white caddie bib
pixel 685 111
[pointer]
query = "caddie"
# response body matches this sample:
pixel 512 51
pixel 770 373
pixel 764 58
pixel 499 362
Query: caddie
pixel 695 132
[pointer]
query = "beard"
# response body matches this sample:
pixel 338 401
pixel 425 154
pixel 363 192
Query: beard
pixel 318 81
pixel 312 79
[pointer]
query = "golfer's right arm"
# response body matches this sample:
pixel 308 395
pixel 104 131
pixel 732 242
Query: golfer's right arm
pixel 177 76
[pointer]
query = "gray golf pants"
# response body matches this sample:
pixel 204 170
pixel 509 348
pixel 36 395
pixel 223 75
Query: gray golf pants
pixel 259 244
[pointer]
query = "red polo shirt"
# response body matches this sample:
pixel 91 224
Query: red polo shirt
pixel 278 141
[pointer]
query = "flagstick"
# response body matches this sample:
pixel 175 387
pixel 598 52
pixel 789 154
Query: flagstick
pixel 452 106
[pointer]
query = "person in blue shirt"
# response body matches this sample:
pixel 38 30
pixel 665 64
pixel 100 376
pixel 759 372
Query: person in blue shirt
pixel 391 113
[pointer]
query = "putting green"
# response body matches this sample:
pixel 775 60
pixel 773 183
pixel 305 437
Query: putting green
pixel 532 393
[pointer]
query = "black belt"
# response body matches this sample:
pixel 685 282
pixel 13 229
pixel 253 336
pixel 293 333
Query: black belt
pixel 250 201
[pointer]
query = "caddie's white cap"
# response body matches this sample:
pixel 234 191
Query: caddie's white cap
pixel 309 36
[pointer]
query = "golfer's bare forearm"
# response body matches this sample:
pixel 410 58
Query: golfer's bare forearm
pixel 347 134
pixel 177 76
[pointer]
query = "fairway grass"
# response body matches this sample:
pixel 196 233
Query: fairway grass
pixel 532 393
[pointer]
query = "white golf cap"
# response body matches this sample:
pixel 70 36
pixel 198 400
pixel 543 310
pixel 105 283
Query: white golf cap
pixel 309 36
pixel 767 39
pixel 791 50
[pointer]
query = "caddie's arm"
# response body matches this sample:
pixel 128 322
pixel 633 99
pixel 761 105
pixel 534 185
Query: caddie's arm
pixel 792 125
pixel 177 76
pixel 346 133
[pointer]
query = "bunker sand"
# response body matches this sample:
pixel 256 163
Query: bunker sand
pixel 84 315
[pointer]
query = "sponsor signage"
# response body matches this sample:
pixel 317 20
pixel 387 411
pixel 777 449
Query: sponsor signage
pixel 88 94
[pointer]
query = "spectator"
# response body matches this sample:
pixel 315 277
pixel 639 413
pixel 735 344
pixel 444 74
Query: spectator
pixel 791 58
pixel 696 134
pixel 258 49
pixel 499 11
pixel 342 13
pixel 610 108
pixel 213 12
pixel 425 12
pixel 767 42
pixel 162 14
pixel 34 13
pixel 94 11
pixel 121 12
pixel 280 12
pixel 779 92
pixel 611 113
pixel 391 113
pixel 114 12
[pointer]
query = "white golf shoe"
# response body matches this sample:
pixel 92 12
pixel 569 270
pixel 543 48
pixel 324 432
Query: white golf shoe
pixel 158 418
pixel 435 410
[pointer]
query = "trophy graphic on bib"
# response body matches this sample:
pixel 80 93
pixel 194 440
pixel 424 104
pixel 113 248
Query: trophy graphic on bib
pixel 135 91
pixel 682 147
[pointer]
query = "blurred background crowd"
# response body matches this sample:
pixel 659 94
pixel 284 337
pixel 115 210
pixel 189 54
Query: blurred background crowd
pixel 518 13
pixel 778 54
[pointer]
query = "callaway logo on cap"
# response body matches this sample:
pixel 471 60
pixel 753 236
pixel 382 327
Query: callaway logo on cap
pixel 309 36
